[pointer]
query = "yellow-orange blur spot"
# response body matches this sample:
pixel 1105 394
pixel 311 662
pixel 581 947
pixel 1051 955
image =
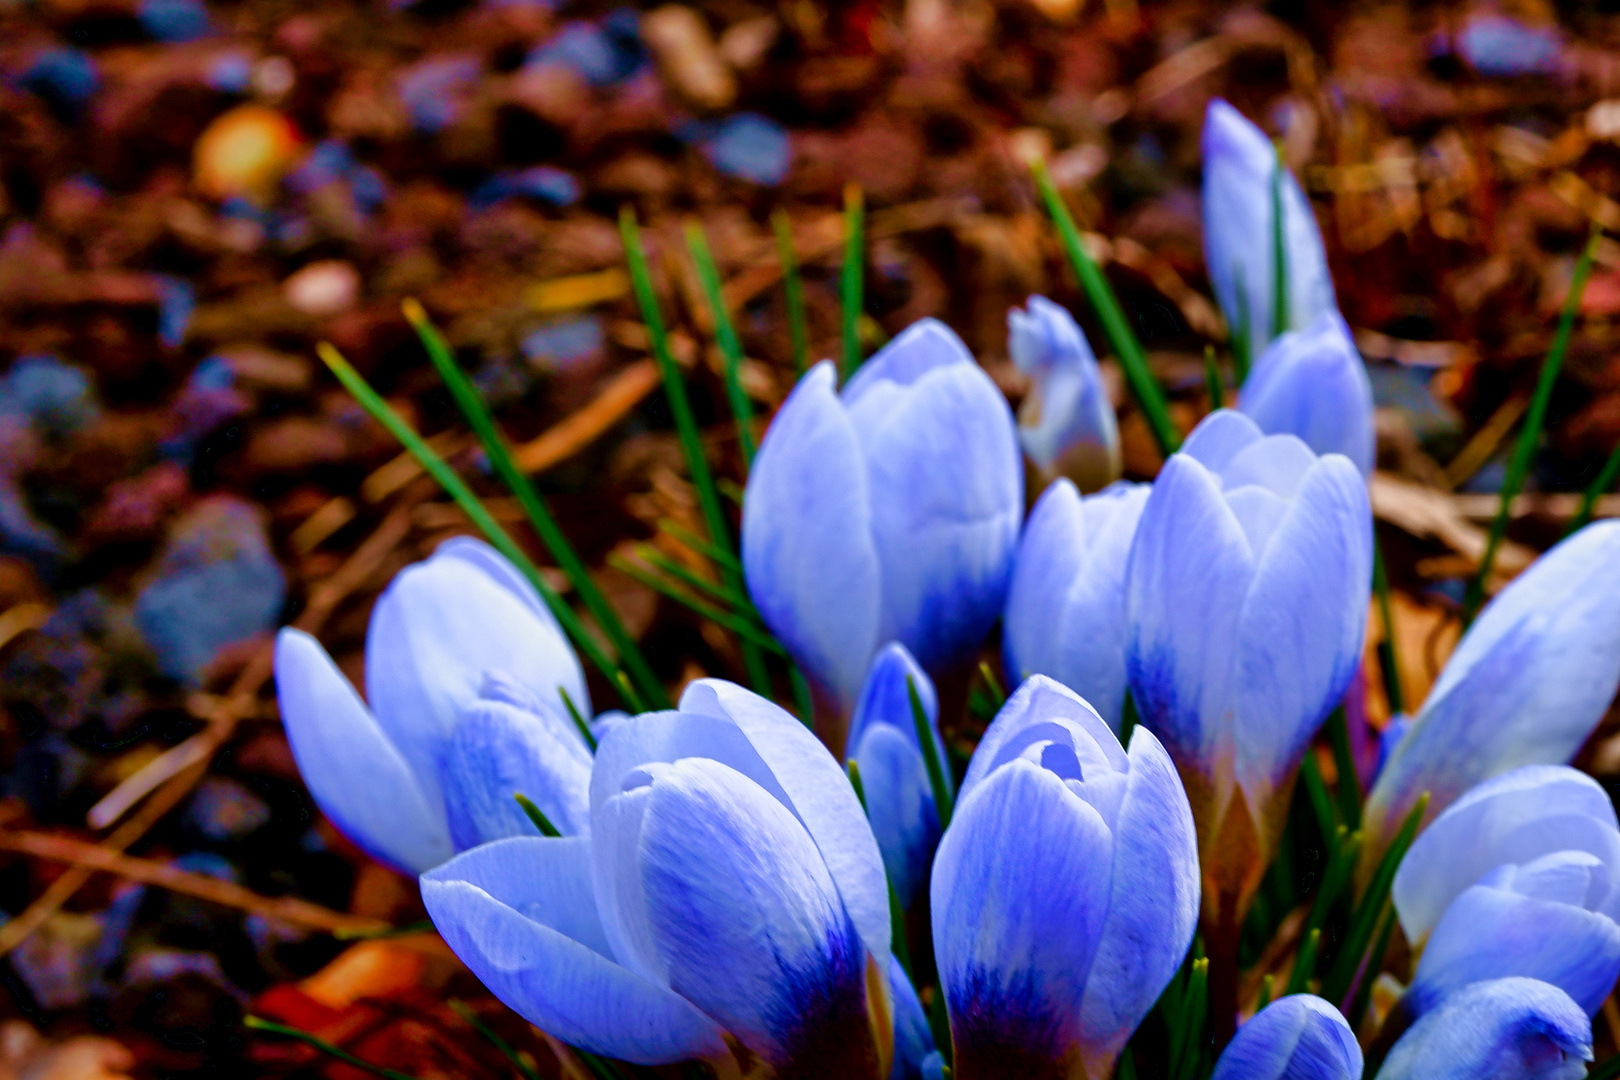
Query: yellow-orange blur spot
pixel 245 152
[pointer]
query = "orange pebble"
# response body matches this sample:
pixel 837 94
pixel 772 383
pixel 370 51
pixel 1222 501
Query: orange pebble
pixel 245 152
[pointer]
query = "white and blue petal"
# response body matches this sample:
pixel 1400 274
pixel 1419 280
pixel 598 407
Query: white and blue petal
pixel 1068 411
pixel 913 1038
pixel 886 699
pixel 924 346
pixel 1505 1029
pixel 807 550
pixel 1220 437
pixel 520 914
pixel 357 776
pixel 1042 710
pixel 900 806
pixel 500 751
pixel 1298 1037
pixel 1313 384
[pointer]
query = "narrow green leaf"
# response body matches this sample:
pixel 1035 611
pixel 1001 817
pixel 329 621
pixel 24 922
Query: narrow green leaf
pixel 851 282
pixel 1609 1069
pixel 854 770
pixel 1375 957
pixel 897 914
pixel 1194 1018
pixel 1316 791
pixel 802 700
pixel 1212 380
pixel 747 632
pixel 1279 251
pixel 792 290
pixel 1387 651
pixel 1267 986
pixel 1349 785
pixel 1132 359
pixel 355 933
pixel 939 1021
pixel 525 1069
pixel 1600 485
pixel 540 821
pixel 1242 338
pixel 931 756
pixel 1342 856
pixel 1530 435
pixel 718 555
pixel 1126 1069
pixel 714 590
pixel 534 506
pixel 1304 963
pixel 992 683
pixel 1364 920
pixel 1128 719
pixel 440 470
pixel 579 721
pixel 725 335
pixel 258 1023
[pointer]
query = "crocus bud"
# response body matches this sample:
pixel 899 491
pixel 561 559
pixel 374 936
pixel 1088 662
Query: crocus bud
pixel 914 1047
pixel 1526 685
pixel 1520 876
pixel 1066 423
pixel 1312 383
pixel 1505 1029
pixel 1066 608
pixel 1064 893
pixel 1246 599
pixel 728 902
pixel 1240 168
pixel 1298 1037
pixel 894 774
pixel 437 633
pixel 885 512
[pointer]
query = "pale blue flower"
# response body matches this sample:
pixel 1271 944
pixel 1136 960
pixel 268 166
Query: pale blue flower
pixel 1246 599
pixel 729 891
pixel 442 633
pixel 1298 1037
pixel 1064 893
pixel 1066 423
pixel 888 511
pixel 1065 612
pixel 1312 383
pixel 913 1039
pixel 1505 1029
pixel 1526 685
pixel 894 774
pixel 1239 165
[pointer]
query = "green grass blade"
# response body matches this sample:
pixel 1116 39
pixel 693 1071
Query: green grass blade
pixel 1310 774
pixel 1609 1069
pixel 1305 963
pixel 1193 1020
pixel 478 417
pixel 1387 651
pixel 792 290
pixel 852 285
pixel 1212 380
pixel 897 914
pixel 992 684
pixel 499 538
pixel 1364 920
pixel 1279 251
pixel 1242 338
pixel 747 633
pixel 579 721
pixel 939 1022
pixel 1530 435
pixel 931 756
pixel 686 426
pixel 1375 957
pixel 1599 487
pixel 1149 396
pixel 717 555
pixel 740 604
pixel 540 820
pixel 802 699
pixel 504 1048
pixel 1349 786
pixel 257 1023
pixel 725 335
pixel 1268 986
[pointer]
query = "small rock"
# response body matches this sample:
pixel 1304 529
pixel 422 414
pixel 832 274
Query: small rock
pixel 750 147
pixel 66 78
pixel 55 397
pixel 435 90
pixel 177 300
pixel 174 21
pixel 223 809
pixel 601 54
pixel 324 288
pixel 679 40
pixel 565 344
pixel 57 962
pixel 245 152
pixel 1501 46
pixel 544 183
pixel 745 43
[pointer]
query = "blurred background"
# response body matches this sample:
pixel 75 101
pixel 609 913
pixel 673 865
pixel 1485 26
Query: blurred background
pixel 192 194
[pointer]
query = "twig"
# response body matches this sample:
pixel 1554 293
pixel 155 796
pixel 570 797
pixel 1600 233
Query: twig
pixel 579 429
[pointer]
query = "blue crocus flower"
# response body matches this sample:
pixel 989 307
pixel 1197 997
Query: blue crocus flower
pixel 1239 166
pixel 729 900
pixel 888 511
pixel 1065 612
pixel 883 742
pixel 1298 1037
pixel 464 672
pixel 1312 383
pixel 1064 893
pixel 914 1050
pixel 1521 876
pixel 1246 597
pixel 1066 423
pixel 1526 685
pixel 1505 1029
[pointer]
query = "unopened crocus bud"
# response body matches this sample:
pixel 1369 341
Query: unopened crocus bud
pixel 1520 876
pixel 728 904
pixel 1298 1037
pixel 1064 893
pixel 1065 612
pixel 1066 423
pixel 1312 383
pixel 887 511
pixel 1526 685
pixel 443 632
pixel 1246 599
pixel 1240 171
pixel 894 774
pixel 1505 1029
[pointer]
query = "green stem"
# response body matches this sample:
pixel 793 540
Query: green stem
pixel 1387 651
pixel 1131 357
pixel 931 756
pixel 540 820
pixel 1599 486
pixel 1279 251
pixel 526 1070
pixel 1535 420
pixel 1212 380
pixel 747 633
pixel 499 538
pixel 579 721
pixel 740 604
pixel 257 1023
pixel 852 285
pixel 792 290
pixel 725 335
pixel 1349 787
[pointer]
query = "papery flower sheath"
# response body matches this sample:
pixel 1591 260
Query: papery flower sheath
pixel 1064 893
pixel 1066 423
pixel 1298 1037
pixel 1505 1029
pixel 728 904
pixel 887 511
pixel 1521 876
pixel 899 797
pixel 1312 383
pixel 445 633
pixel 1066 608
pixel 1526 684
pixel 1246 598
pixel 1239 166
